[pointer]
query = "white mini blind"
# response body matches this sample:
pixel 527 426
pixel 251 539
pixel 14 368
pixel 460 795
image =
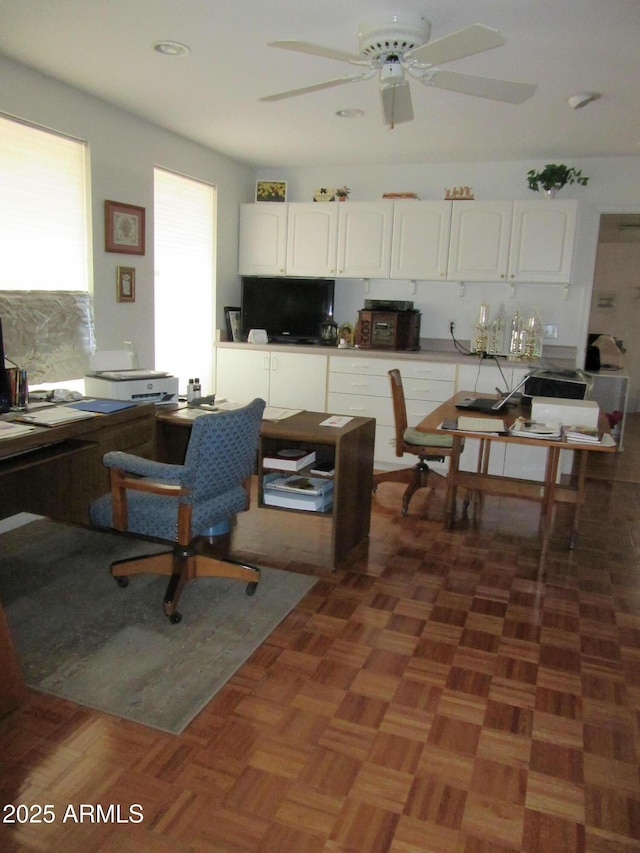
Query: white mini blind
pixel 184 292
pixel 44 221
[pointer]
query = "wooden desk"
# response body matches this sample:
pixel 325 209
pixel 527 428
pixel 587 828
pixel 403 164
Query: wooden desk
pixel 350 446
pixel 548 492
pixel 57 471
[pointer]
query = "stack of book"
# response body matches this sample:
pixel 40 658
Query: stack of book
pixel 533 429
pixel 289 459
pixel 313 494
pixel 582 434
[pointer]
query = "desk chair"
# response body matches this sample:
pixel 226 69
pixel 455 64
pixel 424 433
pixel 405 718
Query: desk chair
pixel 175 503
pixel 428 448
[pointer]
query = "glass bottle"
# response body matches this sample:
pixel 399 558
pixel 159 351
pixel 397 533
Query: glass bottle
pixel 5 383
pixel 516 334
pixel 497 343
pixel 480 334
pixel 533 335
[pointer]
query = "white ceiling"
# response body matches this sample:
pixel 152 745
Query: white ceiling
pixel 212 95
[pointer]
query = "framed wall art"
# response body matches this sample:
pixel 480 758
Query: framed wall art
pixel 126 284
pixel 271 190
pixel 124 228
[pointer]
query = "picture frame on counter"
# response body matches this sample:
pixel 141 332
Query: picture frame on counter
pixel 271 191
pixel 232 318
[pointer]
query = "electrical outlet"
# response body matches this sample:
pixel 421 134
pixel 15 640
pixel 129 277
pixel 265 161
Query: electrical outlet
pixel 550 333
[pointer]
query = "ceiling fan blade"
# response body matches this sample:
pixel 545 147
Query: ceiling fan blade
pixel 481 87
pixel 396 103
pixel 317 50
pixel 474 39
pixel 315 87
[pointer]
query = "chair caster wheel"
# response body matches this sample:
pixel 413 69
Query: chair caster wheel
pixel 175 618
pixel 122 581
pixel 251 588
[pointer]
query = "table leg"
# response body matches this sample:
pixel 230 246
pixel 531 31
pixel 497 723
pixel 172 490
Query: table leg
pixel 582 475
pixel 452 482
pixel 548 501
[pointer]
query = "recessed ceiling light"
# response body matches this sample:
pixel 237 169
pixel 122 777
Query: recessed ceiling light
pixel 350 113
pixel 171 48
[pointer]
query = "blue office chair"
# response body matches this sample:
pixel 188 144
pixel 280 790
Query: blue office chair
pixel 177 503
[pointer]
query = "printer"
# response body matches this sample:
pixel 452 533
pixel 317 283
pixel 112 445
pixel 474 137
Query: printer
pixel 133 385
pixel 115 378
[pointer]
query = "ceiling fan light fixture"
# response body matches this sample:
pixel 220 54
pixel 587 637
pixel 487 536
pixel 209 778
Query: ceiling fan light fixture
pixel 391 74
pixel 171 48
pixel 576 102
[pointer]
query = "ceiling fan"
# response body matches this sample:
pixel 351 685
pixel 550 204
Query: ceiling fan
pixel 401 45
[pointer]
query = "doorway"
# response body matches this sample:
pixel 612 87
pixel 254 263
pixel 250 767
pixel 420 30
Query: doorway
pixel 615 299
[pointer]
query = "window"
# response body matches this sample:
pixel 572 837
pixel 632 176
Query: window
pixel 45 245
pixel 184 296
pixel 44 232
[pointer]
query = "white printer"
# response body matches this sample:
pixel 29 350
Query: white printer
pixel 114 378
pixel 134 385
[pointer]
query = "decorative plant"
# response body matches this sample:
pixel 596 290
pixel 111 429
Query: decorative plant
pixel 554 177
pixel 343 192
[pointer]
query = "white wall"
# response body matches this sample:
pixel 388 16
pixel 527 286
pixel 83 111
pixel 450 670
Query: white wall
pixel 614 186
pixel 124 150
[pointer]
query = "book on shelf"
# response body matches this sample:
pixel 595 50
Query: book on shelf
pixel 323 469
pixel 583 434
pixel 524 428
pixel 298 484
pixel 289 459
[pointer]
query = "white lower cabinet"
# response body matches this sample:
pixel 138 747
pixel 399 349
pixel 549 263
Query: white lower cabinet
pixel 359 386
pixel 288 380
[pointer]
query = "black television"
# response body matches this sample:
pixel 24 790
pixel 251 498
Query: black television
pixel 289 309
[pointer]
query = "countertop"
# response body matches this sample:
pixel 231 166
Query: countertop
pixel 553 358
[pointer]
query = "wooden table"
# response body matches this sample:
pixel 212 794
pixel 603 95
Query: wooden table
pixel 349 446
pixel 547 491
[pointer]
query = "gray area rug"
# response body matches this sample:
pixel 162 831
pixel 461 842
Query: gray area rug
pixel 81 637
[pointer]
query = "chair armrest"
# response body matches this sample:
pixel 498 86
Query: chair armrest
pixel 144 467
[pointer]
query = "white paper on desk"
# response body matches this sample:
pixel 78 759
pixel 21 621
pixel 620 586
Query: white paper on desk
pixel 9 430
pixel 336 421
pixel 272 413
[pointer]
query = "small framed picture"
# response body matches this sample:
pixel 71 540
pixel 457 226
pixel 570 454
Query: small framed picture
pixel 232 316
pixel 123 228
pixel 126 284
pixel 271 190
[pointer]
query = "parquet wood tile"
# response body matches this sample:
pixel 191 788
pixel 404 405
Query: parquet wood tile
pixel 438 696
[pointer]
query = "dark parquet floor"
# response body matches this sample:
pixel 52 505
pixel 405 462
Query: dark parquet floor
pixel 438 696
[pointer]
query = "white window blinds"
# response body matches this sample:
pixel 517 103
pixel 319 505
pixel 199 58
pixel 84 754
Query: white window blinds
pixel 184 293
pixel 44 223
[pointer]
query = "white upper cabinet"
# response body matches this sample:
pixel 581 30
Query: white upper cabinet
pixel 420 243
pixel 312 236
pixel 542 240
pixel 480 235
pixel 263 238
pixel 364 239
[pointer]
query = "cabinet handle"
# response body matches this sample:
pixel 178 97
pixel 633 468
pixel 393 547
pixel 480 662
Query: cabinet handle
pixel 359 384
pixel 274 363
pixel 265 363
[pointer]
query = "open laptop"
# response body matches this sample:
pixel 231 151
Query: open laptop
pixel 489 405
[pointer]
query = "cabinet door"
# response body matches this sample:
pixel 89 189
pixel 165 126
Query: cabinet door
pixel 298 381
pixel 263 238
pixel 364 239
pixel 242 374
pixel 312 232
pixel 480 234
pixel 542 239
pixel 420 243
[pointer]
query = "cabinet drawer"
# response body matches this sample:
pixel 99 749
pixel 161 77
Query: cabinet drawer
pixel 381 366
pixel 380 408
pixel 378 386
